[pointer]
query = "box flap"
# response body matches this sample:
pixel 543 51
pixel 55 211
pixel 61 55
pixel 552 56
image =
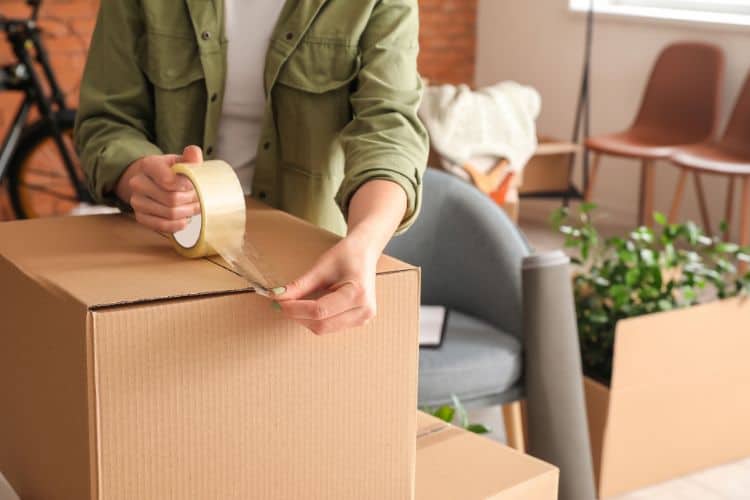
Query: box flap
pixel 453 463
pixel 107 260
pixel 675 372
pixel 289 246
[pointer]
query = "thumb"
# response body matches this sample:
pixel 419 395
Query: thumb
pixel 192 154
pixel 305 285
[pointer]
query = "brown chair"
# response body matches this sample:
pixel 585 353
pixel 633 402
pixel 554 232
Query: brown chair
pixel 728 157
pixel 680 106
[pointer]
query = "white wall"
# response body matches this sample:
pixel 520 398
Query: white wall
pixel 540 42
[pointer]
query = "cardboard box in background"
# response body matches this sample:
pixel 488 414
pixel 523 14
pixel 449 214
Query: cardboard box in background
pixel 128 372
pixel 549 168
pixel 455 464
pixel 679 399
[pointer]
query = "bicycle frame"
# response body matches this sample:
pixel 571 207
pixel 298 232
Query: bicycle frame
pixel 23 36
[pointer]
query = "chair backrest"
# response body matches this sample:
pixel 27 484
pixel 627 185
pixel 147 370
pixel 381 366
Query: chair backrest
pixel 737 135
pixel 469 251
pixel 682 98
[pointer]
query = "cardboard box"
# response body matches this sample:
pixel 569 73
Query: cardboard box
pixel 679 399
pixel 128 372
pixel 549 168
pixel 455 464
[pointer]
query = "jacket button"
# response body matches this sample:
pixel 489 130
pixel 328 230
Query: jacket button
pixel 266 145
pixel 209 150
pixel 214 96
pixel 262 195
pixel 289 36
pixel 206 35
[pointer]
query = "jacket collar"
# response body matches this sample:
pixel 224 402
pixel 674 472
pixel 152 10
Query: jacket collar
pixel 295 20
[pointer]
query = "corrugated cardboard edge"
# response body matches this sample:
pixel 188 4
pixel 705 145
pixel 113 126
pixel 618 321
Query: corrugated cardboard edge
pixel 597 407
pixel 663 364
pixel 93 409
pixel 46 306
pixel 537 488
pixel 433 431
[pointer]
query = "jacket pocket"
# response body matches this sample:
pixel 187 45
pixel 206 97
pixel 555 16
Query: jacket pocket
pixel 173 66
pixel 311 104
pixel 319 67
pixel 170 62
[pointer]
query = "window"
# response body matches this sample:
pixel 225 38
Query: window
pixel 707 11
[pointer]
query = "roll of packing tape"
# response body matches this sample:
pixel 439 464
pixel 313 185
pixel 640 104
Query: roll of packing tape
pixel 221 224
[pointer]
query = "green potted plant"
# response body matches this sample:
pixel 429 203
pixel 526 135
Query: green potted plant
pixel 663 328
pixel 648 271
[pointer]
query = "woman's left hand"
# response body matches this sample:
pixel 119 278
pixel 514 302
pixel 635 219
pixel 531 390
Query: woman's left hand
pixel 343 280
pixel 339 291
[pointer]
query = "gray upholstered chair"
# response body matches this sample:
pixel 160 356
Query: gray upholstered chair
pixel 470 254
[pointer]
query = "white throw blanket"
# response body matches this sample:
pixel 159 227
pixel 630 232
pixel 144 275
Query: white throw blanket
pixel 484 126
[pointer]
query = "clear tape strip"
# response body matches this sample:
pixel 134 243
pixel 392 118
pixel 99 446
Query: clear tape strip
pixel 221 228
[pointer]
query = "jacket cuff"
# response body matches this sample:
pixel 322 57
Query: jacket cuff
pixel 412 186
pixel 110 163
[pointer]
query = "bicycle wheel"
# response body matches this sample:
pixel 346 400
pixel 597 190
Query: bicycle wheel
pixel 38 183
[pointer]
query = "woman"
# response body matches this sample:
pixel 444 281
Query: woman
pixel 312 101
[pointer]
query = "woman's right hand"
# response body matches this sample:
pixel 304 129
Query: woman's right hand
pixel 162 200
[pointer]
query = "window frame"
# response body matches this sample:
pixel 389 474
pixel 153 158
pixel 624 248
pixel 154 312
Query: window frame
pixel 699 15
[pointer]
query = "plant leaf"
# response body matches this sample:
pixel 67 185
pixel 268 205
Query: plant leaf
pixel 588 207
pixel 478 429
pixel 445 413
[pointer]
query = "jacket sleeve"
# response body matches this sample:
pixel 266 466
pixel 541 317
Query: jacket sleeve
pixel 114 125
pixel 385 139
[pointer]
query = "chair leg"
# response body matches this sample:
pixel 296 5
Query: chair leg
pixel 646 202
pixel 705 217
pixel 729 209
pixel 589 189
pixel 513 420
pixel 674 212
pixel 745 217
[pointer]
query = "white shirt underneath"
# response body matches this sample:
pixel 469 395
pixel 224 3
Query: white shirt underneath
pixel 249 26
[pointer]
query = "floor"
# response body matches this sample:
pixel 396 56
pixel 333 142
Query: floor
pixel 726 482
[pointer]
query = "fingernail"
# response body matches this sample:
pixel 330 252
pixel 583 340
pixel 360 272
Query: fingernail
pixel 279 290
pixel 276 306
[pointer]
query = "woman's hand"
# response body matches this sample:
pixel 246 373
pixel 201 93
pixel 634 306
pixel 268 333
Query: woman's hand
pixel 339 291
pixel 343 279
pixel 162 200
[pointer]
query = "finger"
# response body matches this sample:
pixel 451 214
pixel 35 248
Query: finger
pixel 159 224
pixel 182 183
pixel 161 173
pixel 350 319
pixel 169 160
pixel 304 286
pixel 345 298
pixel 146 205
pixel 192 154
pixel 144 185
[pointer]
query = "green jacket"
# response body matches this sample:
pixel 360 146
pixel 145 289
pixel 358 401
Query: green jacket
pixel 342 94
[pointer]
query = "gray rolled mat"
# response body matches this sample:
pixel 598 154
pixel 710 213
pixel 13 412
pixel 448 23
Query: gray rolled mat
pixel 556 408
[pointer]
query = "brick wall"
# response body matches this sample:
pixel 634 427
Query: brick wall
pixel 448 38
pixel 67 26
